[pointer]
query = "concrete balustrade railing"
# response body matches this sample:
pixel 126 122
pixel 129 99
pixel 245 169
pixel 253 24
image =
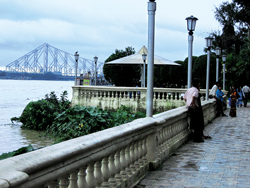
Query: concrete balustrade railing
pixel 116 157
pixel 135 97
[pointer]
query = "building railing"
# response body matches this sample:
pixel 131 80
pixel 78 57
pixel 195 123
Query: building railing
pixel 115 157
pixel 112 98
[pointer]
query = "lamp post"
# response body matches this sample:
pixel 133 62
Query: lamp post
pixel 218 50
pixel 208 45
pixel 224 57
pixel 143 71
pixel 76 56
pixel 150 64
pixel 95 60
pixel 191 24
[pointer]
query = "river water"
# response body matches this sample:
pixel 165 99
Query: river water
pixel 14 96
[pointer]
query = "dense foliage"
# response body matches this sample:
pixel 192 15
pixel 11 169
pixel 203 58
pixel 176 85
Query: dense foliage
pixel 122 75
pixel 38 115
pixel 62 122
pixel 78 121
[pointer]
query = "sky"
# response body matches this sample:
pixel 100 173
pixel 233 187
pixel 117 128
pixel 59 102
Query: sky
pixel 100 27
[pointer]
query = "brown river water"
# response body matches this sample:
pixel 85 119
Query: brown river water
pixel 14 96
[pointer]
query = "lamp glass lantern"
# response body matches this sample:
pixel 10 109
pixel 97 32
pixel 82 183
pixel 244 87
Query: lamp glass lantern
pixel 224 58
pixel 218 51
pixel 191 23
pixel 76 55
pixel 144 56
pixel 208 41
pixel 95 59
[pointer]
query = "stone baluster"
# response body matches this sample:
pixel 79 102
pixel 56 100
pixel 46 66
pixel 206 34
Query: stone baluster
pixel 91 180
pixel 105 169
pixel 140 151
pixel 117 162
pixel 63 182
pixel 132 157
pixel 144 150
pixel 123 163
pixel 73 180
pixel 98 173
pixel 128 159
pixel 118 167
pixel 136 152
pixel 112 169
pixel 82 178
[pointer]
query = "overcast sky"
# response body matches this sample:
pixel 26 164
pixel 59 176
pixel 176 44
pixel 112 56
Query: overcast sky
pixel 99 27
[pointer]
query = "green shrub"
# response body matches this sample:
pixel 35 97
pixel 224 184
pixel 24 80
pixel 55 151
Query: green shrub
pixel 38 115
pixel 78 121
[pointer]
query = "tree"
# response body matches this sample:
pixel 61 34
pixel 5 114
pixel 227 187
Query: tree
pixel 235 38
pixel 122 75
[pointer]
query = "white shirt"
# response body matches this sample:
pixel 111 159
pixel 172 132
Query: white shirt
pixel 190 93
pixel 246 89
pixel 213 90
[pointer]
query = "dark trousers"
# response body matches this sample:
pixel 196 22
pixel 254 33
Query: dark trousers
pixel 245 100
pixel 196 123
pixel 219 107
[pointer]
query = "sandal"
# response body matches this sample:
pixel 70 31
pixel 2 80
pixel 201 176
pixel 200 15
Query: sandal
pixel 207 137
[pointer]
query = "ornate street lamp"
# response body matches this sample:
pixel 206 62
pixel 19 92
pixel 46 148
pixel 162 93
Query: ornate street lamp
pixel 143 71
pixel 218 51
pixel 224 58
pixel 150 63
pixel 209 41
pixel 95 60
pixel 191 24
pixel 76 56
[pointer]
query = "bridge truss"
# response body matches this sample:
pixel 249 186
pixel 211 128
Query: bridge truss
pixel 47 58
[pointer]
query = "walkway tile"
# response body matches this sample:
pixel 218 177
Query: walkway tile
pixel 222 162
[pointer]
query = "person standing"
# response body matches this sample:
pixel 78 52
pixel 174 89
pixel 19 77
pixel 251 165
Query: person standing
pixel 240 95
pixel 233 96
pixel 246 91
pixel 219 95
pixel 191 99
pixel 212 94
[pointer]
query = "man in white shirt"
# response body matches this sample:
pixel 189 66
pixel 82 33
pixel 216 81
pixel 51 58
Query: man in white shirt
pixel 246 91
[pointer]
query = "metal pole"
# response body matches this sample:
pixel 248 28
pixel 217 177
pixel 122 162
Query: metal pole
pixel 208 73
pixel 142 83
pixel 144 64
pixel 190 41
pixel 217 69
pixel 95 73
pixel 223 75
pixel 75 81
pixel 151 33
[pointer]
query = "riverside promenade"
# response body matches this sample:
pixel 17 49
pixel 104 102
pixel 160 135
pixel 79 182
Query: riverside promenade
pixel 223 161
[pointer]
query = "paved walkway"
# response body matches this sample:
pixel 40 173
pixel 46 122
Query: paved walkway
pixel 223 161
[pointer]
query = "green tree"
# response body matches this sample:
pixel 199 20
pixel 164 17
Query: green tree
pixel 235 20
pixel 122 75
